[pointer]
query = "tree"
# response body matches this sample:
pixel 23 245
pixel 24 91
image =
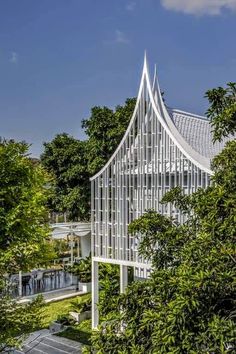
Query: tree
pixel 64 157
pixel 109 275
pixel 72 162
pixel 23 214
pixel 23 234
pixel 222 111
pixel 105 129
pixel 188 305
pixel 17 320
pixel 109 288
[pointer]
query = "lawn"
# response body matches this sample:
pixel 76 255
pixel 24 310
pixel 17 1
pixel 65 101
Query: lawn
pixel 81 332
pixel 63 307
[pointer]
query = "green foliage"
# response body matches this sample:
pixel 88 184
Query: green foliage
pixel 80 333
pixel 109 285
pixel 81 306
pixel 82 270
pixel 63 307
pixel 64 157
pixel 222 111
pixel 179 200
pixel 188 305
pixel 109 289
pixel 17 320
pixel 72 162
pixel 105 129
pixel 23 213
pixel 65 320
pixel 23 235
pixel 60 247
pixel 163 252
pixel 60 311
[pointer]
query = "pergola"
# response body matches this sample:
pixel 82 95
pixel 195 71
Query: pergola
pixel 71 231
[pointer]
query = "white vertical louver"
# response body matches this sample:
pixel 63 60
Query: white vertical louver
pixel 152 158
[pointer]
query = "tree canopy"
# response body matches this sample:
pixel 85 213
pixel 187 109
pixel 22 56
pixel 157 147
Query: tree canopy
pixel 72 161
pixel 105 129
pixel 17 320
pixel 188 305
pixel 64 157
pixel 24 189
pixel 222 111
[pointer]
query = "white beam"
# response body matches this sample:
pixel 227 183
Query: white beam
pixel 122 262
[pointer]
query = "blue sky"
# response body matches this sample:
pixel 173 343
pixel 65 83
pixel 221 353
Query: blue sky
pixel 59 58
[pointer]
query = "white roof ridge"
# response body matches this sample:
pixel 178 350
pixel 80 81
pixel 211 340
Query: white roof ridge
pixel 193 115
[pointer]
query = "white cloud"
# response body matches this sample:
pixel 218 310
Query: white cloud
pixel 121 37
pixel 131 6
pixel 199 7
pixel 13 58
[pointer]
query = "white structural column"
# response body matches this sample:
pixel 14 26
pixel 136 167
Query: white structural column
pixel 20 283
pixel 95 294
pixel 123 278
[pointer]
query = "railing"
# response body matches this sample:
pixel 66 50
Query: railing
pixel 39 281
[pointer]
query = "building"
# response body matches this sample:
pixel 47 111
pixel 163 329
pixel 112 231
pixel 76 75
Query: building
pixel 162 148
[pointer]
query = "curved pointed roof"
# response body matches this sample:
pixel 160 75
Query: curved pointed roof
pixel 191 133
pixel 196 130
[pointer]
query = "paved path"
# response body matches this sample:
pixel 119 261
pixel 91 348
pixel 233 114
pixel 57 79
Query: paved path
pixel 43 342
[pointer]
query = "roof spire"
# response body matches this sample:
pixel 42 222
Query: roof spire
pixel 145 56
pixel 157 91
pixel 145 63
pixel 155 70
pixel 154 82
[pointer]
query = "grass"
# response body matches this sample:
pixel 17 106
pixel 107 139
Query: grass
pixel 80 333
pixel 52 310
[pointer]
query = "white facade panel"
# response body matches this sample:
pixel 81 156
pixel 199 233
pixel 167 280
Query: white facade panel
pixel 149 162
pixel 152 158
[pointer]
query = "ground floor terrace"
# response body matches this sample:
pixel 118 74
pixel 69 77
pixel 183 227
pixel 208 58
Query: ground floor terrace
pixel 72 240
